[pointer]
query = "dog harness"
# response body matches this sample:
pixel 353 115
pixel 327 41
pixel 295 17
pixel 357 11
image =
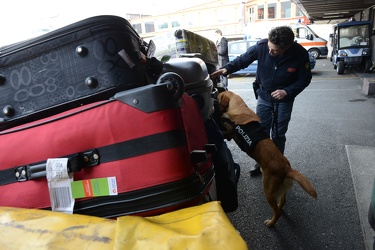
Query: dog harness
pixel 249 134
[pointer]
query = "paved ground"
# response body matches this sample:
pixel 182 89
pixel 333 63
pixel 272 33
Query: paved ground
pixel 331 139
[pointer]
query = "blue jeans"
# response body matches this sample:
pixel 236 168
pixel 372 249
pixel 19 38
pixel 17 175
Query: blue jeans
pixel 265 110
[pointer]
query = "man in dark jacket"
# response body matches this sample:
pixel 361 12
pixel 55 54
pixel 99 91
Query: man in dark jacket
pixel 222 50
pixel 283 72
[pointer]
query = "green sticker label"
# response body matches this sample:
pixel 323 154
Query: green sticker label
pixel 94 187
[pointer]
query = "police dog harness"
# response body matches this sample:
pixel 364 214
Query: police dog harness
pixel 249 134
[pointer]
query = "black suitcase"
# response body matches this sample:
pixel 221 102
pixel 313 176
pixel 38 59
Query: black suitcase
pixel 86 61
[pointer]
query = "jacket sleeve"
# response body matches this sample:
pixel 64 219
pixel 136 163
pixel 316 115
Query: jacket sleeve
pixel 242 61
pixel 303 78
pixel 223 48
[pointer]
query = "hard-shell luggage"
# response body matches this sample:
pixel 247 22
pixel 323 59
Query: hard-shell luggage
pixel 198 84
pixel 86 61
pixel 150 139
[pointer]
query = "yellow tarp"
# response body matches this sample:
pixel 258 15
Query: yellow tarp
pixel 202 227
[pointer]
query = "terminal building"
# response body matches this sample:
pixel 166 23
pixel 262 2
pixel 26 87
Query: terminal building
pixel 236 19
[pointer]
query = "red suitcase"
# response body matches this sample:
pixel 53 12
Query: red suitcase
pixel 153 143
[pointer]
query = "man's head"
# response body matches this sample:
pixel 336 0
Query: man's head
pixel 218 33
pixel 280 39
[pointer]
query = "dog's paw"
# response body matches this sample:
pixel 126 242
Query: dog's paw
pixel 269 223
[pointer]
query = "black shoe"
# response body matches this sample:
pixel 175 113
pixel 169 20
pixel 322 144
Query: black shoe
pixel 255 170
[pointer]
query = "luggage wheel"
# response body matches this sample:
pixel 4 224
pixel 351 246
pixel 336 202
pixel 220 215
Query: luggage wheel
pixel 175 84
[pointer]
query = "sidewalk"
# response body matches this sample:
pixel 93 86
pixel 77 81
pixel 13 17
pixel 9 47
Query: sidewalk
pixel 361 162
pixel 362 165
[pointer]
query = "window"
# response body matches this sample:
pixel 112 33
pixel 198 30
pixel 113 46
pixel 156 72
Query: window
pixel 354 36
pixel 261 11
pixel 286 9
pixel 301 33
pixel 237 48
pixel 251 14
pixel 138 27
pixel 272 11
pixel 163 25
pixel 149 27
pixel 176 24
pixel 298 12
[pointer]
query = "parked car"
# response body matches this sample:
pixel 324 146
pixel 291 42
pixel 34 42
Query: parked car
pixel 312 60
pixel 237 48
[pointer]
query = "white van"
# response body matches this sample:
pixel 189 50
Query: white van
pixel 314 44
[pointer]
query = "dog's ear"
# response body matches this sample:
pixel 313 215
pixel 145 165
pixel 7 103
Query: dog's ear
pixel 223 102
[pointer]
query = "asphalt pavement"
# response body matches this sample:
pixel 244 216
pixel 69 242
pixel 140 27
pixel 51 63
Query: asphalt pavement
pixel 331 139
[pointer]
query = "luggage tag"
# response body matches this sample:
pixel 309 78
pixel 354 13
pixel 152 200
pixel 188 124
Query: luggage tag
pixel 59 185
pixel 126 58
pixel 94 187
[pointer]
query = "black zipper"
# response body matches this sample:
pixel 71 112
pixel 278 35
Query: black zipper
pixel 55 118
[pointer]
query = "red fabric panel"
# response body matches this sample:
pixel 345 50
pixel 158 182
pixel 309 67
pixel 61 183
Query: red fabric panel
pixel 103 125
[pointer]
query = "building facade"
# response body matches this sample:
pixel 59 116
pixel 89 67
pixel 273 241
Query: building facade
pixel 236 19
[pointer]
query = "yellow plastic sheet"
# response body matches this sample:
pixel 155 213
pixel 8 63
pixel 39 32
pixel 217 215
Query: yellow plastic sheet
pixel 202 227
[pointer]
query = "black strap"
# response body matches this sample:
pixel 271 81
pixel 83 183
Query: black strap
pixel 7 176
pixel 109 153
pixel 275 117
pixel 142 145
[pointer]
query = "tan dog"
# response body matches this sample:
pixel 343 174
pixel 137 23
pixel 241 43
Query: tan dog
pixel 277 173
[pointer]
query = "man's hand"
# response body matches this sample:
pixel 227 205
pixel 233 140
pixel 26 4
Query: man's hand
pixel 279 94
pixel 218 73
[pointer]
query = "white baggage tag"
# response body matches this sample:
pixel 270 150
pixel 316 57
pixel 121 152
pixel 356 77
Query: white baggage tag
pixel 59 185
pixel 126 58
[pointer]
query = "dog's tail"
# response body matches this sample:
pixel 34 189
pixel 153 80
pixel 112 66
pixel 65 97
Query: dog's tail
pixel 303 182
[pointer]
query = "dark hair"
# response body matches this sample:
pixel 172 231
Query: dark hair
pixel 219 32
pixel 281 36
